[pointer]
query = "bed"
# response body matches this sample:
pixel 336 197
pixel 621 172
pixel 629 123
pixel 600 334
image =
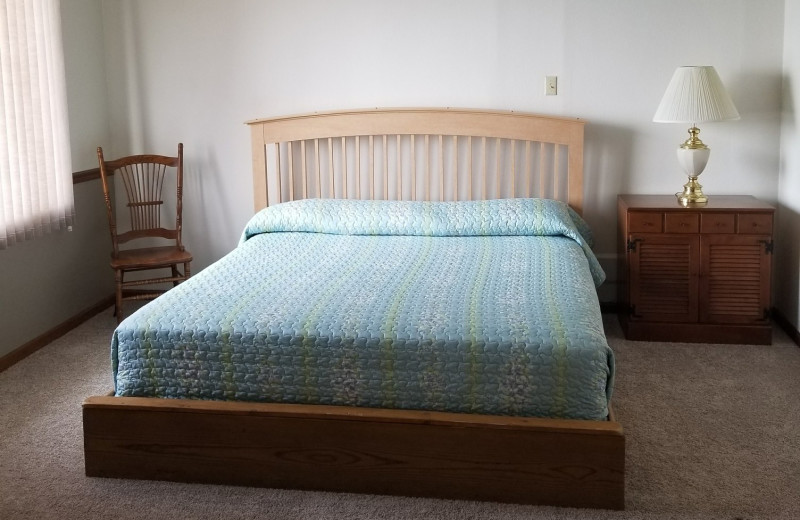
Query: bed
pixel 414 313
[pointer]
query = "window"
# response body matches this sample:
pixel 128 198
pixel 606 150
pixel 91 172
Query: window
pixel 35 163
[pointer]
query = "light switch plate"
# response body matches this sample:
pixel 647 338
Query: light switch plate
pixel 551 85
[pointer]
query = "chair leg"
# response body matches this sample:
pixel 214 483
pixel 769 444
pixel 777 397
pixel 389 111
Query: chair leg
pixel 118 301
pixel 175 274
pixel 186 272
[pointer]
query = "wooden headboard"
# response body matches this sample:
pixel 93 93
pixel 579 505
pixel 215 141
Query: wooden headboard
pixel 417 154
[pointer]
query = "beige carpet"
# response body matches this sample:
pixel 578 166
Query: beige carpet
pixel 713 431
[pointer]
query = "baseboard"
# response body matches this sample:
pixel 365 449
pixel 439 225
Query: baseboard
pixel 20 353
pixel 786 325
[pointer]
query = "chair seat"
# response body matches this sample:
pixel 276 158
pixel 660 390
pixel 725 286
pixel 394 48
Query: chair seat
pixel 145 257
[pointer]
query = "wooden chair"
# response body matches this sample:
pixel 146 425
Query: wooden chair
pixel 143 177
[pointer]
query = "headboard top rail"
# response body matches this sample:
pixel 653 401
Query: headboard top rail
pixel 505 124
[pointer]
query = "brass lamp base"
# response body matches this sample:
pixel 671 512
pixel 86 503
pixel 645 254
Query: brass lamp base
pixel 692 193
pixel 693 156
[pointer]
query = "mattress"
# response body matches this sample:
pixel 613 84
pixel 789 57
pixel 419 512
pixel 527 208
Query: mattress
pixel 478 307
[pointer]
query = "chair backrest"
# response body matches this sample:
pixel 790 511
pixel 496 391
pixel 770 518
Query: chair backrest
pixel 143 177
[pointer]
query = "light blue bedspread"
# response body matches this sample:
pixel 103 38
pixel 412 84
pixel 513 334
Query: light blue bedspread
pixel 481 307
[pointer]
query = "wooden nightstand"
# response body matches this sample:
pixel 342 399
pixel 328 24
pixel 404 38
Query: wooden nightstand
pixel 695 274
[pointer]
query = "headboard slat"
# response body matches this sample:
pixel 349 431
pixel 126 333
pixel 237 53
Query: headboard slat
pixel 399 195
pixel 469 155
pixel 497 172
pixel 385 167
pixel 304 168
pixel 344 168
pixel 358 166
pixel 484 193
pixel 512 162
pixel 319 168
pixel 542 154
pixel 372 167
pixel 413 167
pixel 290 169
pixel 455 168
pixel 556 168
pixel 514 167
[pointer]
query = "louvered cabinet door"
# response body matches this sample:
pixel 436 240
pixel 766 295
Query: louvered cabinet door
pixel 735 279
pixel 663 273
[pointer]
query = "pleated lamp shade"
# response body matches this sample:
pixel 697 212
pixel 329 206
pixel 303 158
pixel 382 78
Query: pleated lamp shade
pixel 694 95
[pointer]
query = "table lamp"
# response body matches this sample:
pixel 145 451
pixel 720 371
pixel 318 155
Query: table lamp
pixel 694 95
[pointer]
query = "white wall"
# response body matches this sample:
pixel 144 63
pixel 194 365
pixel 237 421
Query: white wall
pixel 195 70
pixel 787 283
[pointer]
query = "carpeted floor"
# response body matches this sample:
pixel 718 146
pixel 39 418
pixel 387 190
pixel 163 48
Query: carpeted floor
pixel 713 432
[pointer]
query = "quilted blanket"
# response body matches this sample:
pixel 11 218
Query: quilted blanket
pixel 479 307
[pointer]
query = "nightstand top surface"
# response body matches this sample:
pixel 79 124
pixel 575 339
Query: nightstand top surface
pixel 715 203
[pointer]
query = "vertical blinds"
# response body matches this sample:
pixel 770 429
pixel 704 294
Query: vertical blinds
pixel 35 164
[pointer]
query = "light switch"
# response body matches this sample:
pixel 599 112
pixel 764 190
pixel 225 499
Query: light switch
pixel 551 85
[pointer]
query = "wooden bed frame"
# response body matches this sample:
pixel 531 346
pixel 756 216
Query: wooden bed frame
pixel 428 154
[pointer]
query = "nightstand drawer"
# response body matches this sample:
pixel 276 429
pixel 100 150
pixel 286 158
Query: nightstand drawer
pixel 645 222
pixel 718 223
pixel 681 223
pixel 755 224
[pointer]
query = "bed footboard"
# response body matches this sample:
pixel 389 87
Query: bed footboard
pixel 412 453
